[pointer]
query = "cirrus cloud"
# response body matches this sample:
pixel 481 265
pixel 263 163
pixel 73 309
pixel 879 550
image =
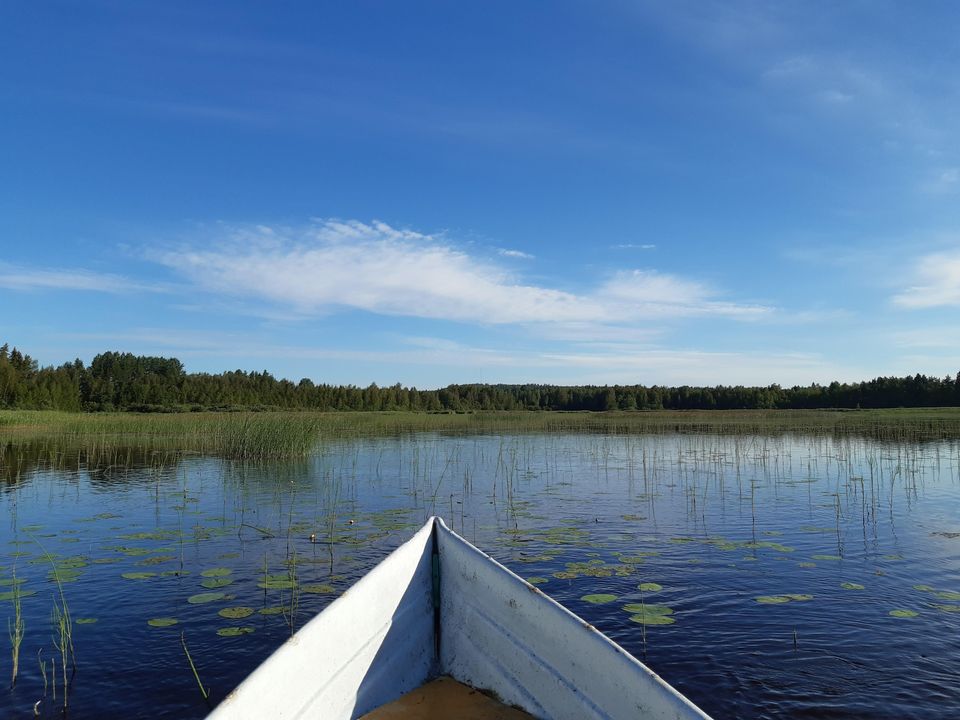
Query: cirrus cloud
pixel 374 267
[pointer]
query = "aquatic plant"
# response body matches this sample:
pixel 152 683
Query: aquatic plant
pixel 599 598
pixel 16 630
pixel 203 691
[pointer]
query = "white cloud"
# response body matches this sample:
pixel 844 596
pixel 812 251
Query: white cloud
pixel 634 246
pixel 381 269
pixel 16 277
pixel 515 254
pixel 937 283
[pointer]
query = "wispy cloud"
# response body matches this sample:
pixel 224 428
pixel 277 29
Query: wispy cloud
pixel 515 254
pixel 380 269
pixel 937 279
pixel 18 277
pixel 634 246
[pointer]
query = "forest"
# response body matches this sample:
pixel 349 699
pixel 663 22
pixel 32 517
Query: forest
pixel 122 381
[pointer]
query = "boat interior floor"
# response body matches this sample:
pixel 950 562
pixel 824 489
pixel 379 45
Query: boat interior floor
pixel 446 698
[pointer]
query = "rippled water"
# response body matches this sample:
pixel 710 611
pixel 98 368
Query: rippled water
pixel 849 528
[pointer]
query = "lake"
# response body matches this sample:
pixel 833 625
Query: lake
pixel 784 575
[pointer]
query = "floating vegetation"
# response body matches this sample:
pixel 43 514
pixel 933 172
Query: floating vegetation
pixel 10 595
pixel 214 583
pixel 537 580
pixel 207 597
pixel 284 583
pixel 137 575
pixel 318 589
pixel 946 607
pixel 216 572
pixel 599 598
pixel 650 587
pixel 826 557
pixel 650 614
pixel 924 588
pixel 85 621
pixel 7 582
pixel 806 564
pixel 798 597
pixel 178 573
pixel 156 535
pixel 234 631
pixel 236 613
pixel 156 560
pixel 852 586
pixel 948 595
pixel 903 613
pixel 228 556
pixel 772 599
pixel 893 557
pixel 273 610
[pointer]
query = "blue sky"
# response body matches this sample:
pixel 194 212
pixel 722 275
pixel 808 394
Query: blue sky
pixel 426 193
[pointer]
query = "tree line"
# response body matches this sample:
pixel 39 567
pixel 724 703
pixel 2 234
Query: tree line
pixel 123 381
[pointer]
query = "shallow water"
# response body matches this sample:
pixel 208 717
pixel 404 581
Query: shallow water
pixel 847 527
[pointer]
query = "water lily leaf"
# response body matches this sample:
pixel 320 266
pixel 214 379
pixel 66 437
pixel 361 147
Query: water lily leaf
pixel 217 572
pixel 599 598
pixel 278 584
pixel 275 610
pixel 318 589
pixel 947 608
pixel 156 560
pixel 645 609
pixel 236 613
pixel 200 598
pixel 138 575
pixel 650 587
pixel 12 581
pixel 826 557
pixel 85 621
pixel 923 588
pixel 851 586
pixel 214 583
pixel 948 595
pixel 798 597
pixel 807 564
pixel 772 599
pixel 903 613
pixel 536 580
pixel 12 593
pixel 655 619
pixel 234 631
pixel 162 622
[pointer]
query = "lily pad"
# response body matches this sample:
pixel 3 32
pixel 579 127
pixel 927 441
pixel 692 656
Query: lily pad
pixel 948 595
pixel 12 593
pixel 923 588
pixel 599 598
pixel 947 608
pixel 644 619
pixel 537 580
pixel 217 582
pixel 826 557
pixel 798 597
pixel 217 572
pixel 807 564
pixel 157 559
pixel 275 610
pixel 645 609
pixel 278 584
pixel 234 631
pixel 851 586
pixel 772 599
pixel 85 621
pixel 650 587
pixel 318 589
pixel 162 622
pixel 138 575
pixel 903 613
pixel 236 613
pixel 201 598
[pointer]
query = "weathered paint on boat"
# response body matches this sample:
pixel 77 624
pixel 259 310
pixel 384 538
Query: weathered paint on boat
pixel 481 624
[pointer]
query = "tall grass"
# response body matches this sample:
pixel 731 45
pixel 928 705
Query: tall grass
pixel 15 630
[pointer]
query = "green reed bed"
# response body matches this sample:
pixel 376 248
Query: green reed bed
pixel 117 439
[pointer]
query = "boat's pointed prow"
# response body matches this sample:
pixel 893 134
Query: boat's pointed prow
pixel 437 605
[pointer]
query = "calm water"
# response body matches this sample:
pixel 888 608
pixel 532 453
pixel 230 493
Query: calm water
pixel 851 529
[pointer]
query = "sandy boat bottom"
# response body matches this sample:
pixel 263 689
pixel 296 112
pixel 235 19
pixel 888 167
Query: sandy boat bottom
pixel 445 698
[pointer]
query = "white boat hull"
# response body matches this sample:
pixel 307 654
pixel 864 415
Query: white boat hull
pixel 437 605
